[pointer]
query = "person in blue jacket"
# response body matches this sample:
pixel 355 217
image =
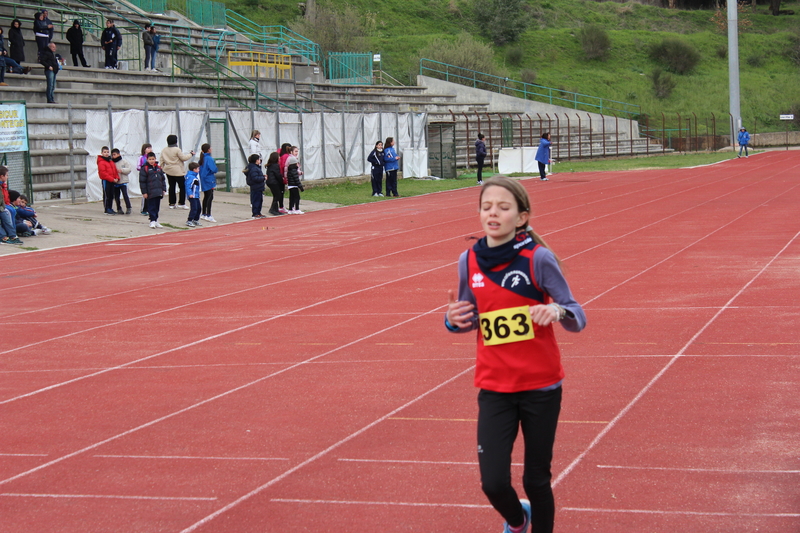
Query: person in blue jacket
pixel 257 183
pixel 543 154
pixel 376 158
pixel 192 186
pixel 744 140
pixel 208 180
pixel 391 166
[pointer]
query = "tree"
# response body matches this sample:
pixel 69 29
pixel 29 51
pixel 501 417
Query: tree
pixel 775 7
pixel 344 30
pixel 502 21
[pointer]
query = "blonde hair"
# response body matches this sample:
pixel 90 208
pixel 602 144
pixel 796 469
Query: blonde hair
pixel 523 204
pixel 255 132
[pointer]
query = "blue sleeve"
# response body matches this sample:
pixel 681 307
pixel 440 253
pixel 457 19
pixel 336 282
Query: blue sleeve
pixel 464 293
pixel 551 281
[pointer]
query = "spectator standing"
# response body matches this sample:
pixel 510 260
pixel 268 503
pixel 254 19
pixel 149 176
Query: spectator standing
pixel 75 38
pixel 192 185
pixel 744 140
pixel 275 184
pixel 255 143
pixel 255 179
pixel 543 155
pixel 294 185
pixel 153 183
pixel 121 188
pixel 146 149
pixel 156 43
pixel 376 158
pixel 16 42
pixel 111 39
pixel 41 33
pixel 208 181
pixel 107 171
pixel 9 61
pixel 172 161
pixel 49 25
pixel 8 230
pixel 51 67
pixel 149 47
pixel 392 165
pixel 480 156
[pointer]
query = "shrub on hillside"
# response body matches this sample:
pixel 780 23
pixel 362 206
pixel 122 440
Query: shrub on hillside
pixel 528 76
pixel 678 56
pixel 793 52
pixel 722 51
pixel 337 30
pixel 514 55
pixel 595 42
pixel 755 60
pixel 464 52
pixel 502 21
pixel 663 83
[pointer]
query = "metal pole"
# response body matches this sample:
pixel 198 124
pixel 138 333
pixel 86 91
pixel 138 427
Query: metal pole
pixel 733 66
pixel 580 146
pixel 363 143
pixel 278 130
pixel 663 133
pixel 110 126
pixel 146 123
pixel 466 118
pixel 680 130
pixel 178 121
pixel 695 132
pixel 604 135
pixel 558 135
pixel 569 141
pixel 322 124
pixel 71 148
pixel 590 134
pixel 491 154
pixel 344 143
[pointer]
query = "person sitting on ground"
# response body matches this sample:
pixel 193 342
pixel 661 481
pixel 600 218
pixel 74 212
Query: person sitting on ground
pixel 8 232
pixel 26 220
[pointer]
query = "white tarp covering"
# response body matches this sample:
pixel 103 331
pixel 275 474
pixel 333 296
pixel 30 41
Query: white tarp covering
pixel 331 145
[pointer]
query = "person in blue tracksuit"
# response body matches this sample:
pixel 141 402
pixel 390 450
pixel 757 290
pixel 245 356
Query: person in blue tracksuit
pixel 192 186
pixel 376 158
pixel 744 140
pixel 543 155
pixel 391 165
pixel 208 180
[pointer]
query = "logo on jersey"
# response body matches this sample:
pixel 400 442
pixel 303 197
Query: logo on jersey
pixel 515 278
pixel 522 240
pixel 477 280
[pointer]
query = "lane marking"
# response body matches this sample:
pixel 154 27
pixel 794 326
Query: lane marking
pixel 714 470
pixel 687 513
pixel 106 496
pixel 401 461
pixel 666 367
pixel 245 386
pixel 475 420
pixel 402 504
pixel 324 452
pixel 193 457
pixel 23 455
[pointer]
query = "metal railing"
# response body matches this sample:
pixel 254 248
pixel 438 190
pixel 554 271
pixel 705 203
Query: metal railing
pixel 276 36
pixel 280 64
pixel 349 68
pixel 527 91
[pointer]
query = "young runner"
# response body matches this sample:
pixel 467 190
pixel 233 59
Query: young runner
pixel 512 291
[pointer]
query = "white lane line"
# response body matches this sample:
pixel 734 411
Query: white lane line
pixel 194 457
pixel 324 452
pixel 23 455
pixel 666 367
pixel 104 496
pixel 687 513
pixel 712 470
pixel 236 389
pixel 402 461
pixel 401 504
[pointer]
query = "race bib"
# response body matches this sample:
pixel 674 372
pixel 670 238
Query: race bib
pixel 503 326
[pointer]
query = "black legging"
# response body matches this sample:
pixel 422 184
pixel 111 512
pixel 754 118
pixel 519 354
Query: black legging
pixel 480 160
pixel 294 198
pixel 277 198
pixel 542 173
pixel 180 181
pixel 208 197
pixel 500 416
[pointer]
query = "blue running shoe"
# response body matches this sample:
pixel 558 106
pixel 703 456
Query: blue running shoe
pixel 526 507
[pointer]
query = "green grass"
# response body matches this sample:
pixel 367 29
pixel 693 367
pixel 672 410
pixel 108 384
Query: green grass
pixel 350 193
pixel 551 49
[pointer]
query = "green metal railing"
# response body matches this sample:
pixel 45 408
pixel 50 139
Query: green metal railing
pixel 349 68
pixel 528 91
pixel 225 82
pixel 277 36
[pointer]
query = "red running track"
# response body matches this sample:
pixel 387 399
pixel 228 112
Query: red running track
pixel 297 377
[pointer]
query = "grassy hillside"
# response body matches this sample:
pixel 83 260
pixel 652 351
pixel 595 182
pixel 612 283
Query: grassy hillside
pixel 770 81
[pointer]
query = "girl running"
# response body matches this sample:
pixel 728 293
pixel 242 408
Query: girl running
pixel 512 291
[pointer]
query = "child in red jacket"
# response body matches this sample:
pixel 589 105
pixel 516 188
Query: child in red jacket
pixel 107 171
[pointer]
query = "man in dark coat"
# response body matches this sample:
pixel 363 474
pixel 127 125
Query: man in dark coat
pixel 51 66
pixel 75 38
